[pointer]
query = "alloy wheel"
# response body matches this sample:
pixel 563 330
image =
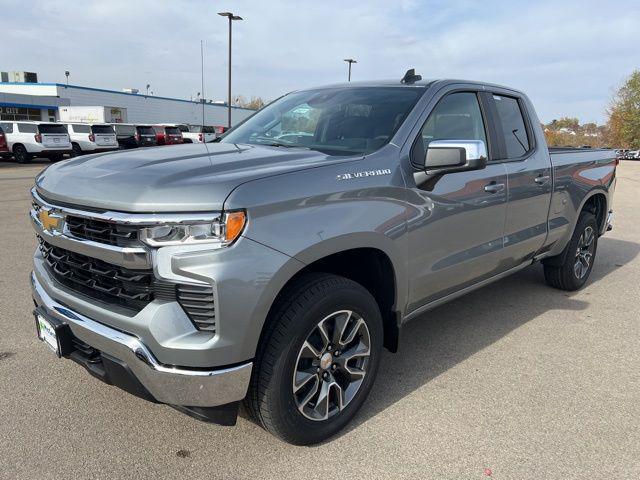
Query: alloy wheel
pixel 331 365
pixel 584 252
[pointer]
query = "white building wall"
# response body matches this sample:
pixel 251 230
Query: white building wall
pixel 150 109
pixel 140 108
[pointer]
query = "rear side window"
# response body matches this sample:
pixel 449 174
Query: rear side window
pixel 172 131
pixel 183 128
pixel 27 128
pixel 103 129
pixel 52 128
pixel 514 129
pixel 195 128
pixel 208 129
pixel 81 128
pixel 7 127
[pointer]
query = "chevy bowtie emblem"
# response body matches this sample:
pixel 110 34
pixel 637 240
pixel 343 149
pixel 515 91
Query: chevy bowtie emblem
pixel 50 221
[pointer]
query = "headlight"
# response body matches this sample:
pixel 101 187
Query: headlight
pixel 221 232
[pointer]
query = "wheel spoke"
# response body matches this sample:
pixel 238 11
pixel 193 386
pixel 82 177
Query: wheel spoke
pixel 354 330
pixel 322 404
pixel 302 379
pixel 310 394
pixel 308 351
pixel 340 326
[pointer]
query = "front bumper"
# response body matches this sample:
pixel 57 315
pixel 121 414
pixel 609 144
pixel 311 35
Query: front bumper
pixel 178 386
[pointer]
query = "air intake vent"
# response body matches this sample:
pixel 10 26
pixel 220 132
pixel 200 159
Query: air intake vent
pixel 199 304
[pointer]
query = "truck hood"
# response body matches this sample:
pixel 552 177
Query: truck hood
pixel 180 178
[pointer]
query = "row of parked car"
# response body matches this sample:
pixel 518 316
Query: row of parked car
pixel 24 140
pixel 626 154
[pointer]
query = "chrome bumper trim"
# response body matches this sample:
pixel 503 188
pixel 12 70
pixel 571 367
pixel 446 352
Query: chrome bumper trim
pixel 609 226
pixel 172 385
pixel 135 258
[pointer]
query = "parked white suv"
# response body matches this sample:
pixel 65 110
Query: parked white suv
pixel 29 139
pixel 199 134
pixel 91 138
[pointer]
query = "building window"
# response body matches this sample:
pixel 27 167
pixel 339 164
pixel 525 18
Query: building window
pixel 20 113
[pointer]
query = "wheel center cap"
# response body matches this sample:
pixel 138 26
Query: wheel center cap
pixel 326 360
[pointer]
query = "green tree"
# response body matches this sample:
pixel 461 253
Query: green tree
pixel 624 114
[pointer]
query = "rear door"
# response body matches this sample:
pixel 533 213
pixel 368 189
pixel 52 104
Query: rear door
pixel 146 136
pixel 529 181
pixel 54 136
pixel 104 136
pixel 457 222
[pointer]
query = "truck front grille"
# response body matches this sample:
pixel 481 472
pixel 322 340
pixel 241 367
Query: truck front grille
pixel 101 232
pixel 133 289
pixel 97 279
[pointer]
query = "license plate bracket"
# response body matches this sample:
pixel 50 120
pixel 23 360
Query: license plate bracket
pixel 54 333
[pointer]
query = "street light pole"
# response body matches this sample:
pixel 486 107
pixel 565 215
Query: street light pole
pixel 231 18
pixel 350 61
pixel 66 74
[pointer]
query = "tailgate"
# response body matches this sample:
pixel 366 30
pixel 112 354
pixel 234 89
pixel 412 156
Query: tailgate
pixel 55 140
pixel 105 135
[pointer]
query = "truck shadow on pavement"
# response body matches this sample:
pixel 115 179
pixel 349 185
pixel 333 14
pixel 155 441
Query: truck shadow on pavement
pixel 448 335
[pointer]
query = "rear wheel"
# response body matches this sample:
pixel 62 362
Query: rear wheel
pixel 21 155
pixel 76 151
pixel 579 256
pixel 318 359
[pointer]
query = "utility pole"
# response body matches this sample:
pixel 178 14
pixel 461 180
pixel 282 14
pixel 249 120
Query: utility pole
pixel 231 18
pixel 66 74
pixel 350 61
pixel 202 71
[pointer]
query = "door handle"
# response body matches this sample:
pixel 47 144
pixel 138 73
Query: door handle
pixel 542 179
pixel 494 187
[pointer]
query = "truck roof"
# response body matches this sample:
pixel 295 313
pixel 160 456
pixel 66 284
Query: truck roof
pixel 426 83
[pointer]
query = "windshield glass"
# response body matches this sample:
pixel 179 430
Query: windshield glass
pixel 336 121
pixel 146 131
pixel 108 129
pixel 52 128
pixel 195 128
pixel 125 130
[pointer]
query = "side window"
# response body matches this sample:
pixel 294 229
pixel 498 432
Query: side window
pixel 7 127
pixel 513 126
pixel 27 128
pixel 81 128
pixel 456 117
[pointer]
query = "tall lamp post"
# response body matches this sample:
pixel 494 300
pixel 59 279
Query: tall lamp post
pixel 231 18
pixel 350 61
pixel 66 74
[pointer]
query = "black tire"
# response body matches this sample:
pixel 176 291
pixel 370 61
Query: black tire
pixel 568 275
pixel 21 155
pixel 55 157
pixel 76 151
pixel 270 399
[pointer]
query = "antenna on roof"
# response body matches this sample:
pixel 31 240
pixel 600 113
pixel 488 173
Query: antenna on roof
pixel 410 76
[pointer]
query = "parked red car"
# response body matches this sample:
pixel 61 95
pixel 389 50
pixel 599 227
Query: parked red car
pixel 4 149
pixel 168 135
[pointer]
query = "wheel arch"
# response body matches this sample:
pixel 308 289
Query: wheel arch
pixel 371 266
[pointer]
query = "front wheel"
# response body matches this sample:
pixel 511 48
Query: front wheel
pixel 318 359
pixel 579 256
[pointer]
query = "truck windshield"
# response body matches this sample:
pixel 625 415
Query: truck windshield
pixel 336 121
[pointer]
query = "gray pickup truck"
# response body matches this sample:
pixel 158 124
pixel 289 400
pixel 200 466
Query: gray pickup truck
pixel 273 266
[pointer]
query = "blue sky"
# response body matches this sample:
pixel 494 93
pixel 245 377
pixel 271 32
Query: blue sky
pixel 569 56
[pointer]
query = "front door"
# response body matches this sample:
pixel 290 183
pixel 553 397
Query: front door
pixel 455 233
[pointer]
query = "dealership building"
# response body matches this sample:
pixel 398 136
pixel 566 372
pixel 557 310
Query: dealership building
pixel 42 101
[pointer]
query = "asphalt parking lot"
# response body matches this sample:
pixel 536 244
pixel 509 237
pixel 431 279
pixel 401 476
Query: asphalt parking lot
pixel 514 381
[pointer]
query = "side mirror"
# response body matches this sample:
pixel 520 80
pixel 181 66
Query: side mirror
pixel 446 156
